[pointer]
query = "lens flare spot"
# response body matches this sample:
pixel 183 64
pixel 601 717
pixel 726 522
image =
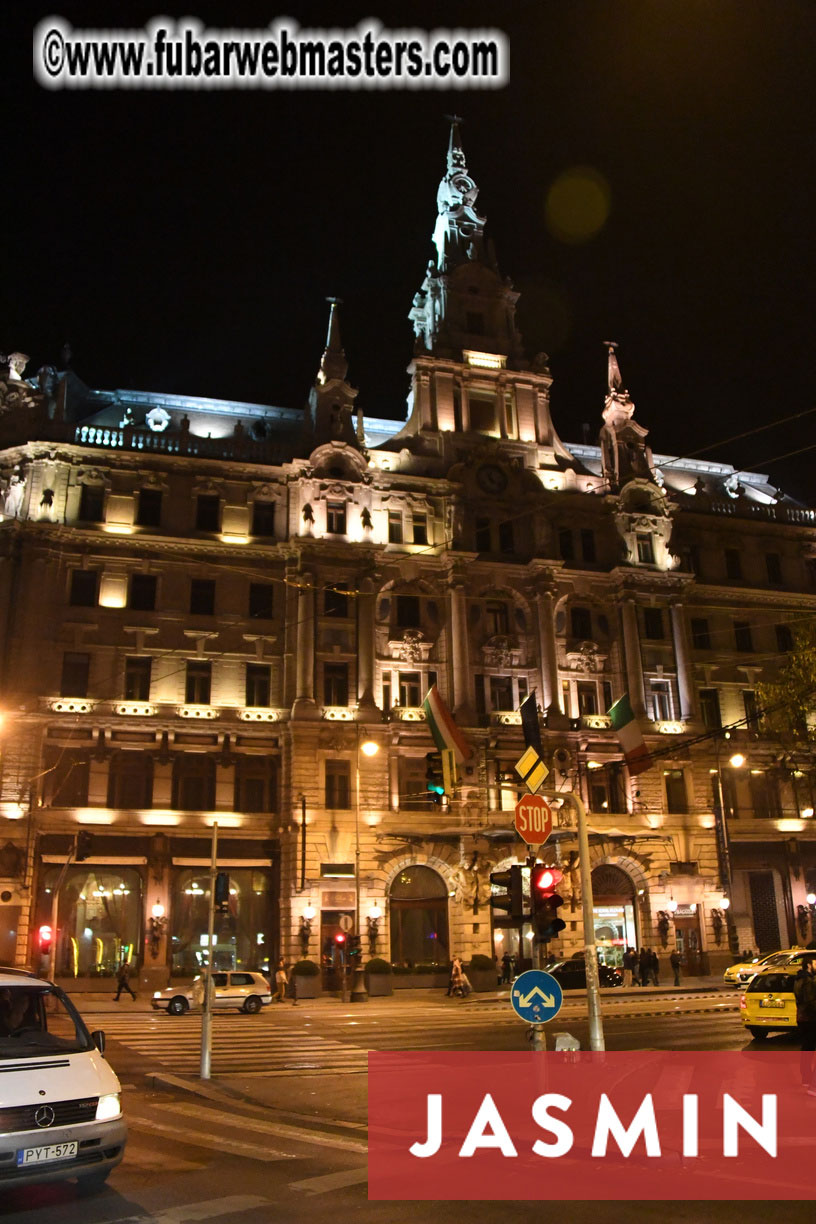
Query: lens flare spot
pixel 577 204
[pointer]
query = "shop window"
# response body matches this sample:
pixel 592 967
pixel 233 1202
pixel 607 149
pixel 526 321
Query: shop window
pixel 338 784
pixel 420 529
pixel 202 596
pixel 676 797
pixel 653 624
pixel 733 564
pixel 261 600
pixel 496 615
pixel 193 782
pixel 645 550
pixel 142 592
pixel 149 508
pixel 336 600
pixel 501 693
pixel 700 635
pixel 409 689
pixel 336 518
pixel 710 709
pixel 75 671
pixel 137 678
pixel 742 636
pixel 198 682
pixel 258 684
pixel 580 623
pixel 130 780
pixel 263 519
pixel 408 612
pixel 335 684
pixel 100 911
pixel 394 526
pixel 65 782
pixel 256 784
pixel 208 512
pixel 84 587
pixel 418 908
pixel 245 934
pixel 92 503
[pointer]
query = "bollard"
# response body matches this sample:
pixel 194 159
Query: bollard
pixel 536 1035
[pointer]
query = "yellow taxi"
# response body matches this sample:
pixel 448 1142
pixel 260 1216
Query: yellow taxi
pixel 743 971
pixel 768 1004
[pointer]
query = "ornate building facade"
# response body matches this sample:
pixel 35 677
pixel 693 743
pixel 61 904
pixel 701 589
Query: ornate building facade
pixel 213 611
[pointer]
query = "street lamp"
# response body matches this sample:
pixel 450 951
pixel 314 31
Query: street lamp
pixel 369 748
pixel 736 761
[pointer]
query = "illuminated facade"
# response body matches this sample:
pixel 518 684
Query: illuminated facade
pixel 208 608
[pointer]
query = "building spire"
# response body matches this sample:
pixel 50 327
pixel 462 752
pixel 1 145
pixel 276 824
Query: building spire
pixel 613 378
pixel 333 363
pixel 459 231
pixel 625 454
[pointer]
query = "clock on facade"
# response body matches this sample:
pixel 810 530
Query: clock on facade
pixel 491 479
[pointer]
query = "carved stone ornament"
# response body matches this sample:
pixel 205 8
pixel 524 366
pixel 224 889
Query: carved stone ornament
pixel 157 419
pixel 587 658
pixel 410 649
pixel 501 651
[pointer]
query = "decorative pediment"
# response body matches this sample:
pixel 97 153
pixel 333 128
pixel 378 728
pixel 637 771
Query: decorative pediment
pixel 411 647
pixel 501 651
pixel 587 659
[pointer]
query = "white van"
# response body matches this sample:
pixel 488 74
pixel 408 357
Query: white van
pixel 60 1101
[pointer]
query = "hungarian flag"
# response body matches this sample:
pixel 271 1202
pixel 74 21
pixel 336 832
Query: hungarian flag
pixel 444 730
pixel 628 732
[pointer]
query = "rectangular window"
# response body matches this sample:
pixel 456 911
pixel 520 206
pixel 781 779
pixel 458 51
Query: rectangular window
pixel 336 600
pixel 202 596
pixel 661 701
pixel 566 697
pixel 501 693
pixel 483 535
pixel 475 322
pixel 336 518
pixel 84 584
pixel 588 545
pixel 751 707
pixel 676 797
pixel 566 546
pixel 587 697
pixel 615 784
pixel 261 600
pixel 607 695
pixel 598 795
pixel 481 703
pixel 408 612
pixel 645 550
pixel 522 689
pixel 386 692
pixel 653 624
pixel 92 503
pixel 149 508
pixel 764 795
pixel 420 529
pixel 409 689
pixel 335 684
pixel 208 512
pixel 710 709
pixel 773 565
pixel 507 538
pixel 784 638
pixel 142 592
pixel 256 785
pixel 700 634
pixel 199 682
pixel 413 789
pixel 394 527
pixel 68 779
pixel 137 678
pixel 75 670
pixel 742 636
pixel 338 784
pixel 581 623
pixel 733 564
pixel 258 684
pixel 263 518
pixel 496 617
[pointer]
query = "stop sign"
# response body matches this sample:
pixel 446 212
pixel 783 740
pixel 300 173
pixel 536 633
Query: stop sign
pixel 533 820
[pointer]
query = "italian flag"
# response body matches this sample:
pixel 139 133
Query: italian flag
pixel 444 730
pixel 627 729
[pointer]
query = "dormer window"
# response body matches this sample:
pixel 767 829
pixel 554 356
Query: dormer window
pixel 645 550
pixel 336 518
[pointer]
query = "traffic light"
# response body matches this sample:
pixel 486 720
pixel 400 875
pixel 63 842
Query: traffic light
pixel 222 891
pixel 44 936
pixel 545 901
pixel 84 845
pixel 355 947
pixel 511 898
pixel 434 781
pixel 340 945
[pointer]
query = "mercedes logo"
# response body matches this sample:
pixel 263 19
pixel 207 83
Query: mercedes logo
pixel 45 1116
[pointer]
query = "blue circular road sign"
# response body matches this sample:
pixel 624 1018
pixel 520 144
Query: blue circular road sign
pixel 536 996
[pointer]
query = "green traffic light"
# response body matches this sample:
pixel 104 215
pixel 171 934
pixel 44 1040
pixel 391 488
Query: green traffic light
pixel 435 788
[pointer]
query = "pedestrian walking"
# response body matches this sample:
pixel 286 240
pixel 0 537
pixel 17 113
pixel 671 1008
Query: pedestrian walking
pixel 655 967
pixel 628 966
pixel 804 990
pixel 645 966
pixel 123 981
pixel 507 965
pixel 281 982
pixel 455 975
pixel 676 960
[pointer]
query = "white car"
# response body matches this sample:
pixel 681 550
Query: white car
pixel 60 1101
pixel 742 973
pixel 249 992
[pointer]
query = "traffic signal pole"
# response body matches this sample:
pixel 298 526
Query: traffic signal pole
pixel 206 1016
pixel 596 1035
pixel 52 955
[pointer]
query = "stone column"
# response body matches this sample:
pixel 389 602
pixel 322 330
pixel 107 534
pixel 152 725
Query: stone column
pixel 304 705
pixel 685 675
pixel 634 662
pixel 462 681
pixel 549 657
pixel 365 649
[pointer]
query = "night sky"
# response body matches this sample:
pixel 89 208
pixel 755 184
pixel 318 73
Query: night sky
pixel 185 241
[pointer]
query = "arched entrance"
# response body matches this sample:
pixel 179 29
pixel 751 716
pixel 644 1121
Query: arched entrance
pixel 613 894
pixel 419 917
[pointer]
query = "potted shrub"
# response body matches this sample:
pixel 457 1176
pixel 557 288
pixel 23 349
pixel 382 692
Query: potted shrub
pixel 306 979
pixel 482 973
pixel 378 977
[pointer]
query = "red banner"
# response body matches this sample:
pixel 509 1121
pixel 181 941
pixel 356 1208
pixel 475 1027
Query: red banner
pixel 634 1125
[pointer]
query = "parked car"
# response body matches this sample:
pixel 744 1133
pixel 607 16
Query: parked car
pixel 743 971
pixel 249 992
pixel 60 1110
pixel 768 1004
pixel 571 974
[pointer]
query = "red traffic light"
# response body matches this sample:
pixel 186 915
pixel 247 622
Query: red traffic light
pixel 44 935
pixel 547 879
pixel 340 938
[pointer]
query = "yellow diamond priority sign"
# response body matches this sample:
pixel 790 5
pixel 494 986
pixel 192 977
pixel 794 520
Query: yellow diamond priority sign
pixel 532 769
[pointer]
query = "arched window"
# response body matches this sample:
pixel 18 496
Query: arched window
pixel 193 782
pixel 130 780
pixel 419 918
pixel 613 894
